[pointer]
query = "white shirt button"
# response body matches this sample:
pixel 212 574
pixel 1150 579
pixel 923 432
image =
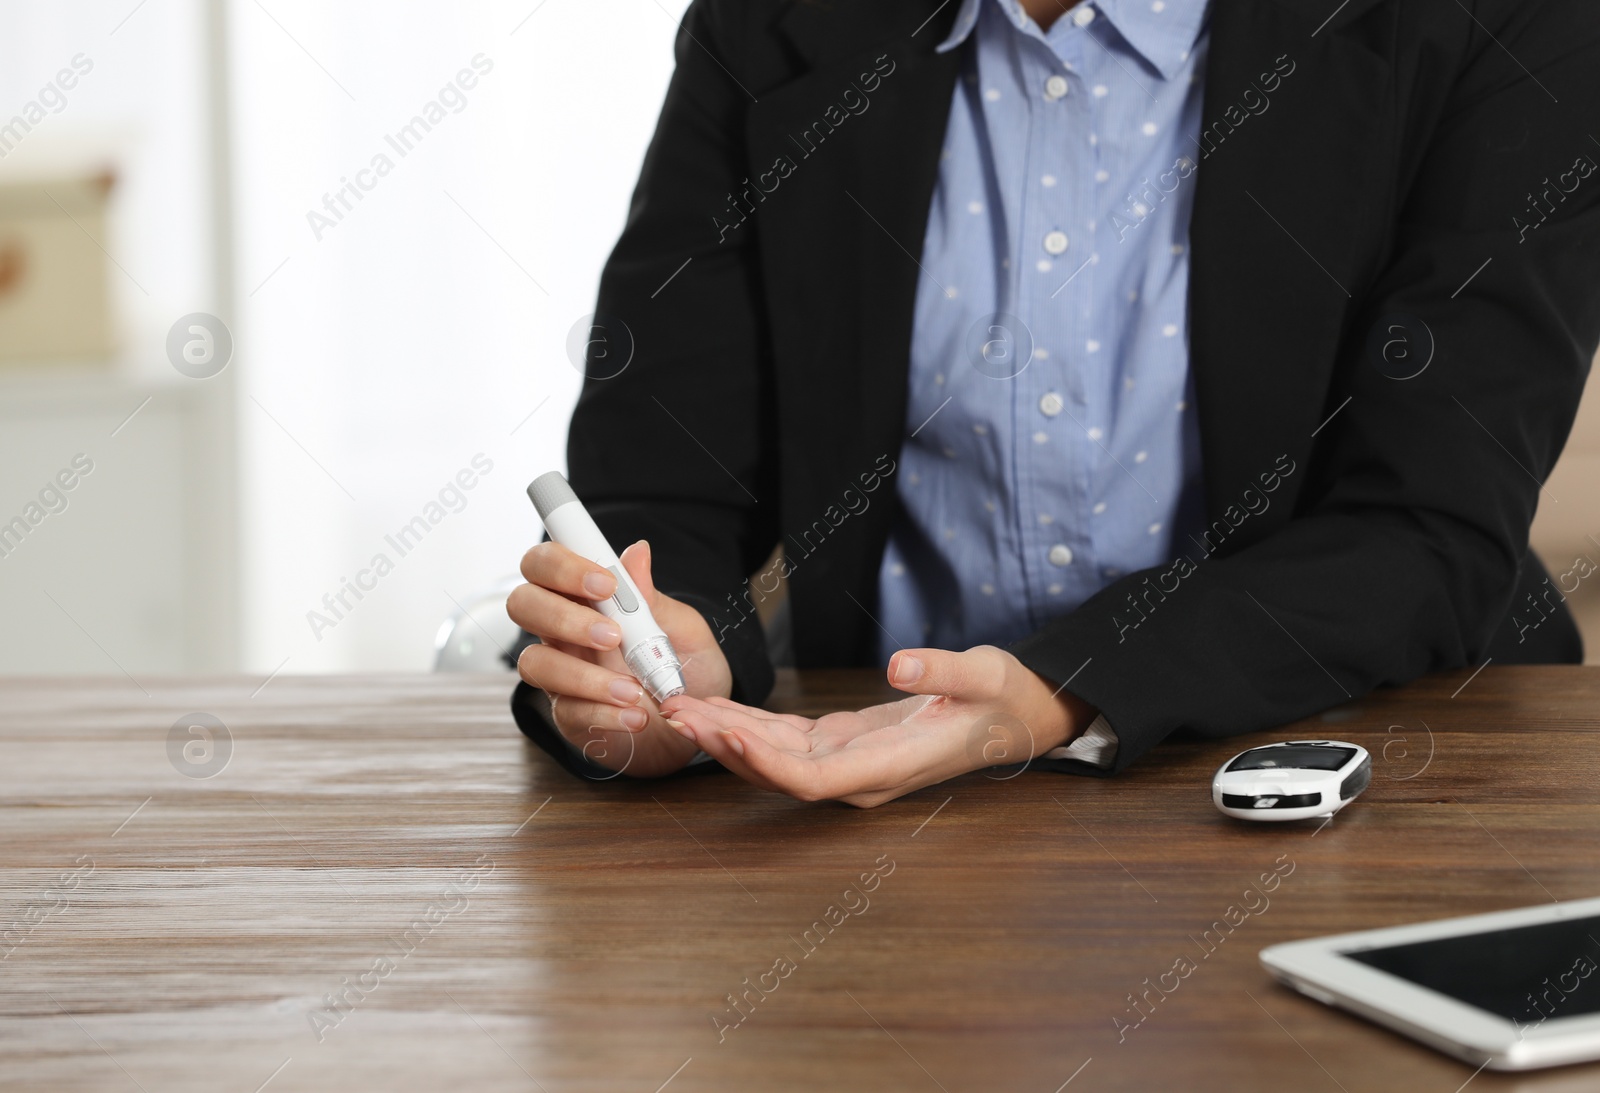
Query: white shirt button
pixel 1055 242
pixel 1051 404
pixel 1083 16
pixel 1061 554
pixel 1055 88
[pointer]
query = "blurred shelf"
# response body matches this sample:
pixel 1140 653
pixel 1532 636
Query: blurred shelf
pixel 89 384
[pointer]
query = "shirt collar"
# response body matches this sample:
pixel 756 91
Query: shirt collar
pixel 1165 38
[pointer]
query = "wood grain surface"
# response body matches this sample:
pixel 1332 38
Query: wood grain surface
pixel 386 888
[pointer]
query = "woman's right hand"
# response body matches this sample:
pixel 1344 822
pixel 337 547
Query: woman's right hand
pixel 597 705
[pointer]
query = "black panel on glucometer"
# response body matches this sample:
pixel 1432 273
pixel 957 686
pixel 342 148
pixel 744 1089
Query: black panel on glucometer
pixel 1301 756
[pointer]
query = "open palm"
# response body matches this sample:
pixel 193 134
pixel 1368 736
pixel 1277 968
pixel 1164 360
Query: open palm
pixel 874 755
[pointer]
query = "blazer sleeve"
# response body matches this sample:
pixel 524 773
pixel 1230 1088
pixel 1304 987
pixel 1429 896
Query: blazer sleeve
pixel 673 438
pixel 1404 549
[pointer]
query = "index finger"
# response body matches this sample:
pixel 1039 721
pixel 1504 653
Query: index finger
pixel 727 708
pixel 553 566
pixel 777 733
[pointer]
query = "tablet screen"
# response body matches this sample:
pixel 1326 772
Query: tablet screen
pixel 1527 974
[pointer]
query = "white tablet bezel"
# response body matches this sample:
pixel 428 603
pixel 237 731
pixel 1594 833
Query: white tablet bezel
pixel 1318 967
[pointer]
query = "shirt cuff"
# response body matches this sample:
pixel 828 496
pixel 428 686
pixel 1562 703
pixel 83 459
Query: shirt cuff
pixel 1097 746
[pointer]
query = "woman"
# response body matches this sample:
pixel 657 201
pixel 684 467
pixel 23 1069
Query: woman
pixel 1102 370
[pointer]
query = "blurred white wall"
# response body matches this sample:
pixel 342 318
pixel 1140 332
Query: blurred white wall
pixel 424 327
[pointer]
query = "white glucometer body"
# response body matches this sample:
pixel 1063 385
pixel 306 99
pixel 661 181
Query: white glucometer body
pixel 1295 780
pixel 650 656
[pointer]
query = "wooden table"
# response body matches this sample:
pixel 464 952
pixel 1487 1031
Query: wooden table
pixel 386 888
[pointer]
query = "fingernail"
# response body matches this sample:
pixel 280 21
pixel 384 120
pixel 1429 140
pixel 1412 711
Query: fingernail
pixel 682 730
pixel 907 669
pixel 634 718
pixel 599 585
pixel 734 742
pixel 625 691
pixel 604 634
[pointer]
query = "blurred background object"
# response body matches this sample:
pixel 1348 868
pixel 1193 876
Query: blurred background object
pixel 53 291
pixel 478 636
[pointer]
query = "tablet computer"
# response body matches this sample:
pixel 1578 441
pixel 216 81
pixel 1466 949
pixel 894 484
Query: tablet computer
pixel 1513 990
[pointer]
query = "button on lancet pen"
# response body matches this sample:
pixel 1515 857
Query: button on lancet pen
pixel 645 647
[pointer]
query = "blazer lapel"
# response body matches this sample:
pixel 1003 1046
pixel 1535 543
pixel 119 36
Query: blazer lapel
pixel 851 151
pixel 1292 202
pixel 859 136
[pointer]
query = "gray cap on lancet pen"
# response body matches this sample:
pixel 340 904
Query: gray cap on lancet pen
pixel 549 492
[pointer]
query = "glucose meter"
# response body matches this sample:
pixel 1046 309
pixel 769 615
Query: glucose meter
pixel 1292 781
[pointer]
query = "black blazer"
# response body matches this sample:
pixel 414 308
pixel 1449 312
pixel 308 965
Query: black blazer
pixel 1421 175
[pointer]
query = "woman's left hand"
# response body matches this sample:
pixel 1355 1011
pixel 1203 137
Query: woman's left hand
pixel 971 710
